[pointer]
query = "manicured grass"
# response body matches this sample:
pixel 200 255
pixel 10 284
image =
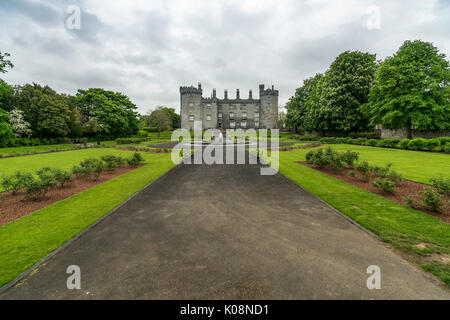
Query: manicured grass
pixel 413 165
pixel 30 238
pixel 399 225
pixel 440 270
pixel 34 149
pixel 63 160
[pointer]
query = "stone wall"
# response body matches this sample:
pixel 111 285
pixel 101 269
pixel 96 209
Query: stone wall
pixel 403 134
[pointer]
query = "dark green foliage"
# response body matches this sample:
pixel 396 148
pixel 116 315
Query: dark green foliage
pixel 6 131
pixel 441 184
pixel 330 158
pixel 365 169
pixel 35 189
pixel 411 89
pixel 111 161
pixel 48 176
pixel 15 181
pixel 384 184
pixel 91 167
pixel 431 199
pixel 113 111
pixel 130 140
pixel 410 202
pixel 135 159
pixel 352 174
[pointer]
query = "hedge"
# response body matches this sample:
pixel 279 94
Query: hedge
pixel 27 142
pixel 441 144
pixel 130 140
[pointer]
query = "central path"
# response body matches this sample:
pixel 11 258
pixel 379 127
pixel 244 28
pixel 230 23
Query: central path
pixel 226 232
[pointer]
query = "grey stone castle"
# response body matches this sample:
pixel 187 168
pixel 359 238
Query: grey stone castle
pixel 228 113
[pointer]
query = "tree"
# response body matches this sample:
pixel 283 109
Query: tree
pixel 113 111
pixel 6 132
pixel 281 120
pixel 175 117
pixel 4 62
pixel 297 107
pixel 6 96
pixel 160 119
pixel 47 111
pixel 411 89
pixel 344 88
pixel 20 127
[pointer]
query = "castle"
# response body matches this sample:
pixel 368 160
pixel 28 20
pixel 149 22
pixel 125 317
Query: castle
pixel 228 113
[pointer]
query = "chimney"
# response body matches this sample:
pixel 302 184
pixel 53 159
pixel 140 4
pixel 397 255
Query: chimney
pixel 226 94
pixel 237 93
pixel 272 87
pixel 250 94
pixel 199 86
pixel 214 93
pixel 261 87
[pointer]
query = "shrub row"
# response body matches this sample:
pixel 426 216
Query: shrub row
pixel 436 144
pixel 37 186
pixel 26 142
pixel 130 140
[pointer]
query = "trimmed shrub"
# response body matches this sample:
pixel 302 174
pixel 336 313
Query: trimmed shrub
pixel 331 158
pixel 417 144
pixel 384 184
pixel 111 161
pixel 135 159
pixel 130 140
pixel 91 167
pixel 431 199
pixel 365 169
pixel 441 184
pixel 15 181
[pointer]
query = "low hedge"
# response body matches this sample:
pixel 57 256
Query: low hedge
pixel 130 140
pixel 441 144
pixel 28 142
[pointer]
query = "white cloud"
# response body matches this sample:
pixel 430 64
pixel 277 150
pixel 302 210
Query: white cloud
pixel 147 49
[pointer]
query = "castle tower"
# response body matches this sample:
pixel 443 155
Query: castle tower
pixel 190 106
pixel 268 107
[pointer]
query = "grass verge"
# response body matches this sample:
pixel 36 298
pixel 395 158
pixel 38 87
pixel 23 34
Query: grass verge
pixel 403 227
pixel 29 239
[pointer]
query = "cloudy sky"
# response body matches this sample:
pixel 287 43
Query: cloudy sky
pixel 147 49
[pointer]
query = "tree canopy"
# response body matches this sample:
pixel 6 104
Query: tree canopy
pixel 113 111
pixel 332 101
pixel 411 89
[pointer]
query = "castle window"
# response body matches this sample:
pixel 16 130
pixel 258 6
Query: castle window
pixel 219 115
pixel 244 115
pixel 232 124
pixel 256 115
pixel 191 104
pixel 191 118
pixel 208 117
pixel 256 124
pixel 244 124
pixel 231 115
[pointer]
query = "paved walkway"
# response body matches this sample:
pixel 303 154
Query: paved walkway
pixel 226 232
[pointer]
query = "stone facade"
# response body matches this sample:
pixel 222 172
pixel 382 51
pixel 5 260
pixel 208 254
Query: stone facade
pixel 403 134
pixel 228 113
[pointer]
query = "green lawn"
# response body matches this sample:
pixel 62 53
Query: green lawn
pixel 413 165
pixel 402 226
pixel 63 160
pixel 30 238
pixel 34 149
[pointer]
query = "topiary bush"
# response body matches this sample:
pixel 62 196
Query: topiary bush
pixel 331 158
pixel 384 184
pixel 111 161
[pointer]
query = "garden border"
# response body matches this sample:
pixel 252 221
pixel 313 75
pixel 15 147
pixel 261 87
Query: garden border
pixel 24 274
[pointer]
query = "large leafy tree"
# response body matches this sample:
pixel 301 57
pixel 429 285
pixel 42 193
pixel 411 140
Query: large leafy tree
pixel 344 88
pixel 5 63
pixel 297 107
pixel 174 117
pixel 113 111
pixel 160 119
pixel 6 96
pixel 411 89
pixel 47 111
pixel 6 131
